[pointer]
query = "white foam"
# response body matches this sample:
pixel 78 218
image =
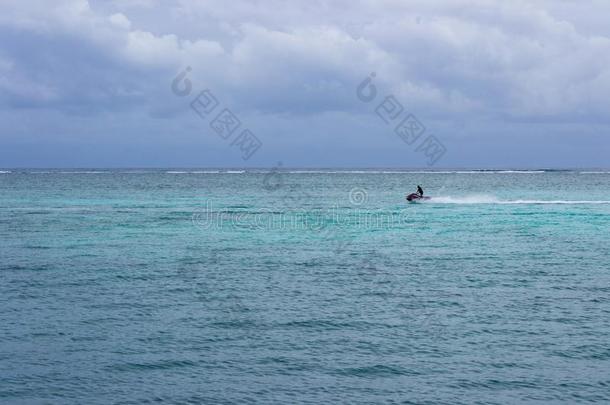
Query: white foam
pixel 488 199
pixel 418 171
pixel 82 172
pixel 493 172
pixel 66 172
pixel 470 199
pixel 200 172
pixel 569 202
pixel 520 171
pixel 345 172
pixel 5 171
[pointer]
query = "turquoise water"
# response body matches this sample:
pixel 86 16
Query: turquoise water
pixel 304 286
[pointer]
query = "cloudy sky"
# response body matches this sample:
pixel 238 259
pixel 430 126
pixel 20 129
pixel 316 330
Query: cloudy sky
pixel 498 84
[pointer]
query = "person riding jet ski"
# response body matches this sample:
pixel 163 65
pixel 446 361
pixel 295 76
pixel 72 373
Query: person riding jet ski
pixel 419 195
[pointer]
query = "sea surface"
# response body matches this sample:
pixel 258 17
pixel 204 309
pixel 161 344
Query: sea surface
pixel 304 286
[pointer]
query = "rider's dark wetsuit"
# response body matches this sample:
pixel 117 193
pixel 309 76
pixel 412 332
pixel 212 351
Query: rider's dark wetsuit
pixel 420 191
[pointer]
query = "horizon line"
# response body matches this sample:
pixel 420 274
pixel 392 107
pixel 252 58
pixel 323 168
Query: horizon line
pixel 284 168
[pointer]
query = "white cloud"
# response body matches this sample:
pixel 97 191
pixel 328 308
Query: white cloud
pixel 120 21
pixel 449 60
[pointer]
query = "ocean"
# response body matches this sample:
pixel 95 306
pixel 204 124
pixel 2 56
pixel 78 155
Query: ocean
pixel 304 286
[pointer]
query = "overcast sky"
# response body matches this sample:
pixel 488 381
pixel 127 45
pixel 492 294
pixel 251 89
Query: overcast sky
pixel 497 83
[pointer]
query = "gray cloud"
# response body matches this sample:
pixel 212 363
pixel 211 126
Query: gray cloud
pixel 488 62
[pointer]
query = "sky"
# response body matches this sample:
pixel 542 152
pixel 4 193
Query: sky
pixel 211 83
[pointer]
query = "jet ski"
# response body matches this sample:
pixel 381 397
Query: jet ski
pixel 414 197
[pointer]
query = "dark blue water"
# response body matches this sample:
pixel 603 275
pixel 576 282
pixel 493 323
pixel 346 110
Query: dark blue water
pixel 304 287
